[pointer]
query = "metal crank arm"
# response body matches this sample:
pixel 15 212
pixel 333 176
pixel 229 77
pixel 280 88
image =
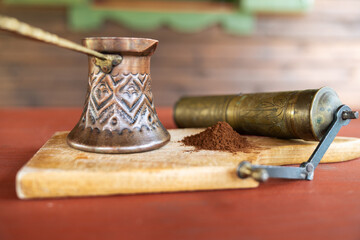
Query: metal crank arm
pixel 306 170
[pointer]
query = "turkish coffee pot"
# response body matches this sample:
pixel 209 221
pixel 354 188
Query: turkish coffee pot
pixel 119 114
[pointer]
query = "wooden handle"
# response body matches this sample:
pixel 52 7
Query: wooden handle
pixel 15 26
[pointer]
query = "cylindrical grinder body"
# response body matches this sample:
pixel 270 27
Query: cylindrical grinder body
pixel 303 114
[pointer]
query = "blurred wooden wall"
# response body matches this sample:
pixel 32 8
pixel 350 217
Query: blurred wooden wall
pixel 320 48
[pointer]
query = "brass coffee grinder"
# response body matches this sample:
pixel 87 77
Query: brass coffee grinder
pixel 315 114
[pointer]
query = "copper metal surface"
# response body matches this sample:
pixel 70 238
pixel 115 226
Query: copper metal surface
pixel 295 114
pixel 119 115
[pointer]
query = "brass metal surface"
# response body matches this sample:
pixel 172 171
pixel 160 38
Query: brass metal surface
pixel 294 114
pixel 119 115
pixel 23 29
pixel 107 65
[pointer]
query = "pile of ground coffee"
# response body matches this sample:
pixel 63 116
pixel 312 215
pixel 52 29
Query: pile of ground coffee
pixel 221 137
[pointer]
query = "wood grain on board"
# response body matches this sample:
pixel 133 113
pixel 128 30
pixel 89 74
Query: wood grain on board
pixel 58 170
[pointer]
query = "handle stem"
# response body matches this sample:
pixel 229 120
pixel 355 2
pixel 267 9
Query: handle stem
pixel 15 26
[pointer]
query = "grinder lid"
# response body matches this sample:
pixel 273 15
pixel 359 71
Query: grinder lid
pixel 323 107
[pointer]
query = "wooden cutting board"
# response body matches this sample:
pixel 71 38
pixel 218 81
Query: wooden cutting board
pixel 58 170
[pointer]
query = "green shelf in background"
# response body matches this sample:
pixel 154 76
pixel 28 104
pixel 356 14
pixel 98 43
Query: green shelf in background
pixel 86 18
pixel 276 6
pixel 82 16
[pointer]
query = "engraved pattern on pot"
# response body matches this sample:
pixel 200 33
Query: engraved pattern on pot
pixel 125 95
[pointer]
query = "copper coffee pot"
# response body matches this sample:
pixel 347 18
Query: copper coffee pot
pixel 119 115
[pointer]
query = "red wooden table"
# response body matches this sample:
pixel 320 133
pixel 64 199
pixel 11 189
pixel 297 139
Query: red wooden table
pixel 326 208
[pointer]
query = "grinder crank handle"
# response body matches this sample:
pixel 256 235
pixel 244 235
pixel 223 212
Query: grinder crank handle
pixel 306 170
